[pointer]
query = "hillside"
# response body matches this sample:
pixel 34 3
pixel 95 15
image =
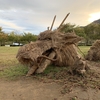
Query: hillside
pixel 96 21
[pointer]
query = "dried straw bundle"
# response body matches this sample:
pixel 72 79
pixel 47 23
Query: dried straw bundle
pixel 51 47
pixel 94 52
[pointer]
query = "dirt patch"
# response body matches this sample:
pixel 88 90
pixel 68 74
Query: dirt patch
pixel 53 86
pixel 32 89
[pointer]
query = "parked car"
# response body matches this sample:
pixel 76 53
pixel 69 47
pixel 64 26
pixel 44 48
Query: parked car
pixel 16 44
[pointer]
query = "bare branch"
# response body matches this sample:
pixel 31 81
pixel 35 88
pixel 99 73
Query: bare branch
pixel 43 56
pixel 63 21
pixel 53 22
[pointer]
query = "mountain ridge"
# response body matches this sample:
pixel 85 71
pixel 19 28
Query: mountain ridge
pixel 96 21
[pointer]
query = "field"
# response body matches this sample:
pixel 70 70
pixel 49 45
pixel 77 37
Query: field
pixel 9 64
pixel 52 84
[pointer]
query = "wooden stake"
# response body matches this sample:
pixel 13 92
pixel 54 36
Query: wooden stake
pixel 63 21
pixel 53 22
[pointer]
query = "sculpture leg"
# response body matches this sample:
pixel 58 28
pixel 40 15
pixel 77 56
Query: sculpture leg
pixel 32 70
pixel 45 63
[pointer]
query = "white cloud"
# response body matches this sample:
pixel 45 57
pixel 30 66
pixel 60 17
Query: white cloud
pixel 11 25
pixel 94 16
pixel 36 15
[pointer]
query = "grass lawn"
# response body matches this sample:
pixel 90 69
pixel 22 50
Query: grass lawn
pixel 8 52
pixel 12 68
pixel 84 49
pixel 8 55
pixel 9 64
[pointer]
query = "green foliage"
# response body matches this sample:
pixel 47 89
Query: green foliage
pixel 72 27
pixel 3 37
pixel 21 38
pixel 29 37
pixel 11 36
pixel 90 32
pixel 67 28
pixel 80 31
pixel 0 29
pixel 93 31
pixel 14 37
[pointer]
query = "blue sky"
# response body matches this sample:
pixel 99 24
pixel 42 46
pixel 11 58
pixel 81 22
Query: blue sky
pixel 36 15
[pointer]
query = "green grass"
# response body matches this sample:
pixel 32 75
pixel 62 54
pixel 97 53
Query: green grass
pixel 51 70
pixel 8 50
pixel 14 72
pixel 12 68
pixel 8 55
pixel 9 66
pixel 84 49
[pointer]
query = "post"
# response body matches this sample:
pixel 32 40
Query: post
pixel 53 22
pixel 63 21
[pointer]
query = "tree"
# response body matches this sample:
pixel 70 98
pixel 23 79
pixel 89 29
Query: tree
pixel 80 31
pixel 28 37
pixel 92 32
pixel 11 37
pixel 3 37
pixel 0 29
pixel 72 27
pixel 67 28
